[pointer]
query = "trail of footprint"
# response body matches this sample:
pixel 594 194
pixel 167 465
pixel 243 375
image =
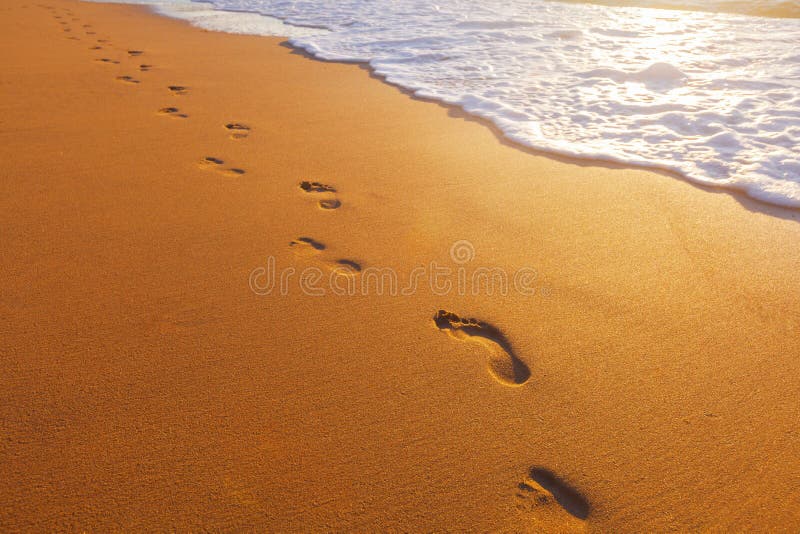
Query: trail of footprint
pixel 238 130
pixel 542 490
pixel 210 162
pixel 503 364
pixel 173 112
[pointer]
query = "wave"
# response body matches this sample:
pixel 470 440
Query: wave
pixel 714 97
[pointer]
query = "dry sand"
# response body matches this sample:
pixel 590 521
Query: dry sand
pixel 650 383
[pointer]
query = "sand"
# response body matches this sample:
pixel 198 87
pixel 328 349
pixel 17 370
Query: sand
pixel 650 382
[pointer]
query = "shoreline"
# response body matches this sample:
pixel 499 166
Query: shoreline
pixel 780 209
pixel 455 111
pixel 149 387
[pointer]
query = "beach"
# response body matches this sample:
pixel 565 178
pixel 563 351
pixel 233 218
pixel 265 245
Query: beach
pixel 155 175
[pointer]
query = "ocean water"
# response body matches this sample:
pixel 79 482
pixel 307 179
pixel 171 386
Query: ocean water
pixel 712 95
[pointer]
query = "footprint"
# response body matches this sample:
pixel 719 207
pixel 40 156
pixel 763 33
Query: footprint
pixel 173 112
pixel 178 89
pixel 127 79
pixel 95 47
pixel 347 269
pixel 316 187
pixel 329 204
pixel 210 162
pixel 543 491
pixel 348 265
pixel 134 53
pixel 107 60
pixel 306 245
pixel 145 68
pixel 238 130
pixel 503 364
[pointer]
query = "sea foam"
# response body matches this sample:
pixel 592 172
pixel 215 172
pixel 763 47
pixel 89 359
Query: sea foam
pixel 714 97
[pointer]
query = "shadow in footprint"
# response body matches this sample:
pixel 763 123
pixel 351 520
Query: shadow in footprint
pixel 237 130
pixel 348 265
pixel 134 53
pixel 543 487
pixel 330 204
pixel 127 79
pixel 178 89
pixel 503 363
pixel 211 162
pixel 316 187
pixel 306 244
pixel 173 112
pixel 347 269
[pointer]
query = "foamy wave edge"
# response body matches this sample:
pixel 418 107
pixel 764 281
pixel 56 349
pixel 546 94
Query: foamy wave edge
pixel 210 17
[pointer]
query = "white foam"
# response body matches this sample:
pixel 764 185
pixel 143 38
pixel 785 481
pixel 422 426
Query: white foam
pixel 715 97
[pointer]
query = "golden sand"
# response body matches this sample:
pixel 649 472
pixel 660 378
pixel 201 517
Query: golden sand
pixel 651 382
